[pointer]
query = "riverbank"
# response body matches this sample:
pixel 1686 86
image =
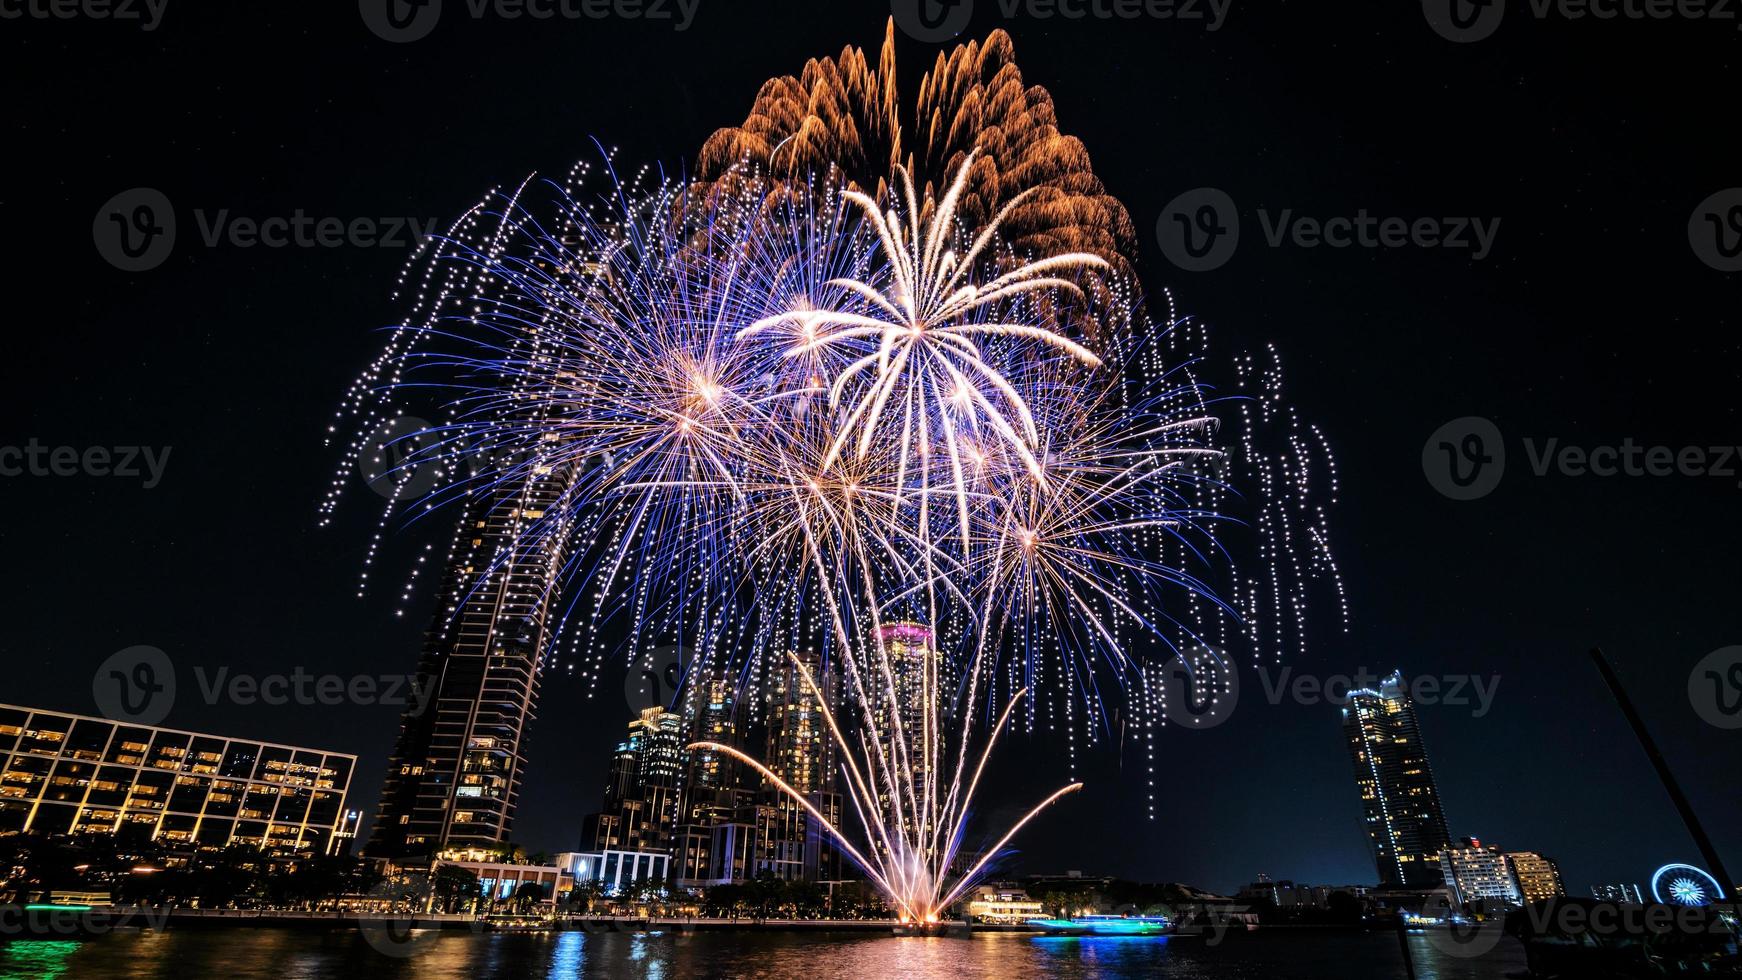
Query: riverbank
pixel 52 921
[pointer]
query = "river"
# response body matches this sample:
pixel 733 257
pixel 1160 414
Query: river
pixel 275 954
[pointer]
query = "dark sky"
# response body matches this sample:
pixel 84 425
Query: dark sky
pixel 1592 321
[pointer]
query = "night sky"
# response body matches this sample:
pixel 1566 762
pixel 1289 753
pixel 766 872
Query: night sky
pixel 1592 321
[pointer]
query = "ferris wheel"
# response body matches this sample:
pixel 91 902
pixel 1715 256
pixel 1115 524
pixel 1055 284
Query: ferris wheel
pixel 1684 884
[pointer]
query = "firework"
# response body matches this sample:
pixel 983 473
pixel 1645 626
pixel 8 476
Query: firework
pixel 794 407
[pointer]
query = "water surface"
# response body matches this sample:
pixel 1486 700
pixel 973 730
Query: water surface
pixel 273 954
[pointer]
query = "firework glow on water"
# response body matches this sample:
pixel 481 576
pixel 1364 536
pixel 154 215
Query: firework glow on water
pixel 905 407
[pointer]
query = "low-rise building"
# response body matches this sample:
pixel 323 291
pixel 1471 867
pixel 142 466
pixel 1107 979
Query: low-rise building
pixel 1538 878
pixel 615 871
pixel 1478 874
pixel 64 773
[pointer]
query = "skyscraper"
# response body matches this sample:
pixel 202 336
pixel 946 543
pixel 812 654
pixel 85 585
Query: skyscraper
pixel 790 842
pixel 800 749
pixel 1405 824
pixel 454 778
pixel 711 705
pixel 911 658
pixel 642 798
pixel 734 825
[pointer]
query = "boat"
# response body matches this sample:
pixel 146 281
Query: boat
pixel 1105 925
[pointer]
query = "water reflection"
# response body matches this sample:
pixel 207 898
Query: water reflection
pixel 685 953
pixel 35 959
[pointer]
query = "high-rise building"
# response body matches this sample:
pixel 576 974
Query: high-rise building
pixel 63 773
pixel 730 824
pixel 1630 894
pixel 711 704
pixel 1477 873
pixel 913 662
pixel 1538 878
pixel 791 843
pixel 643 795
pixel 454 778
pixel 1405 825
pixel 801 750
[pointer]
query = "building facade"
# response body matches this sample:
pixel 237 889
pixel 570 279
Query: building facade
pixel 1538 877
pixel 614 872
pixel 718 821
pixel 1478 873
pixel 1405 823
pixel 64 773
pixel 643 795
pixel 454 778
pixel 1629 894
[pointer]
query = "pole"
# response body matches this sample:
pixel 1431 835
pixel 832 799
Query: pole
pixel 1682 806
pixel 1403 942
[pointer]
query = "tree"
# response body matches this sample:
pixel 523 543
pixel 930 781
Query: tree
pixel 584 895
pixel 527 896
pixel 453 886
pixel 724 900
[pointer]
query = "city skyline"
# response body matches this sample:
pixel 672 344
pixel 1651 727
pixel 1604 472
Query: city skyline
pixel 1443 588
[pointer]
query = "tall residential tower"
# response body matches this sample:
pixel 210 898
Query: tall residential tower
pixel 456 769
pixel 1405 824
